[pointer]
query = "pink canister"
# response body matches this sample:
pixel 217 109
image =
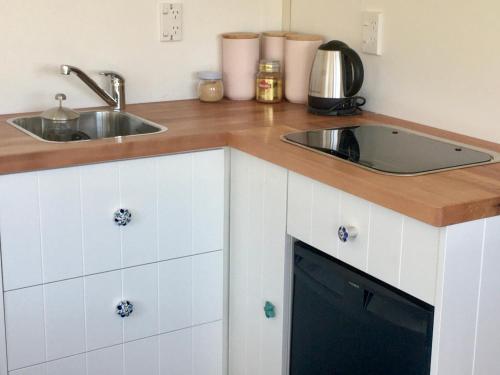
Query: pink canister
pixel 240 60
pixel 273 46
pixel 300 50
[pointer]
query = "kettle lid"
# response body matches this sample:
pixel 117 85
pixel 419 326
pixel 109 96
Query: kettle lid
pixel 60 114
pixel 334 45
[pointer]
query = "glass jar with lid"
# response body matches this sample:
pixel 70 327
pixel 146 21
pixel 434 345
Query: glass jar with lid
pixel 210 87
pixel 269 82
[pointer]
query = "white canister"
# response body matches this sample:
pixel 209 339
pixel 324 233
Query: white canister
pixel 273 46
pixel 240 61
pixel 300 50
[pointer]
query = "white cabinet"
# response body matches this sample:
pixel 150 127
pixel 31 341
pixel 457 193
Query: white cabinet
pixel 466 333
pixel 399 250
pixel 70 317
pixel 190 351
pixel 58 224
pixel 67 265
pixel 258 257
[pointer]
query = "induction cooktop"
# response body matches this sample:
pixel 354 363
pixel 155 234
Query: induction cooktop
pixel 391 150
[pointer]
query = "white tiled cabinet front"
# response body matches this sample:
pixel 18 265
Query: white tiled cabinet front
pixel 257 343
pixel 67 264
pixel 176 201
pixel 396 249
pixel 195 350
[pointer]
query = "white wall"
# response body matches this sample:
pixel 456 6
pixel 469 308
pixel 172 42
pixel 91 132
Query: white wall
pixel 123 35
pixel 441 58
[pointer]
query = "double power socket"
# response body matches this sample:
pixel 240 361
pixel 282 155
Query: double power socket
pixel 170 22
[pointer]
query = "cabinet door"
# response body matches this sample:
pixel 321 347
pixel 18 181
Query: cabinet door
pixel 189 351
pixel 59 224
pixel 257 266
pixel 65 318
pixel 392 247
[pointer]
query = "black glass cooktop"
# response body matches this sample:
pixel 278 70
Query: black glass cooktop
pixel 391 150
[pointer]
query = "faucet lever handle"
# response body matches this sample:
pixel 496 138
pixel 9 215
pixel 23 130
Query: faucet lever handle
pixel 112 75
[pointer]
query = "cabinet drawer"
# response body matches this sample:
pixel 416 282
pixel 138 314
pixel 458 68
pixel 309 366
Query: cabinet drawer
pixel 196 350
pixel 392 247
pixel 65 318
pixel 59 224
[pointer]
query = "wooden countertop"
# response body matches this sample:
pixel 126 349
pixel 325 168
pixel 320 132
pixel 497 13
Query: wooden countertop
pixel 438 199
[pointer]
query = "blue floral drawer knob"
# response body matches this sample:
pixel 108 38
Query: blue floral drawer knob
pixel 122 217
pixel 124 309
pixel 347 233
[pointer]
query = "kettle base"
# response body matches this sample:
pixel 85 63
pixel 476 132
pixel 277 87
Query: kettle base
pixel 336 107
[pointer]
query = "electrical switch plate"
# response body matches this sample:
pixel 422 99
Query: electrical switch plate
pixel 372 33
pixel 170 22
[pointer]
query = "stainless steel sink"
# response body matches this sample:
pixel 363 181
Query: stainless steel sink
pixel 90 125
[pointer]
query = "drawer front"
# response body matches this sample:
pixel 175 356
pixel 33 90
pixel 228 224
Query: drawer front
pixel 394 248
pixel 170 353
pixel 65 318
pixel 59 224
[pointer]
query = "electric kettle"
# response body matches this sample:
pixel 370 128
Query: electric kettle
pixel 336 77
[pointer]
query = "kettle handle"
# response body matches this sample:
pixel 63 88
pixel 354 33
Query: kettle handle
pixel 353 59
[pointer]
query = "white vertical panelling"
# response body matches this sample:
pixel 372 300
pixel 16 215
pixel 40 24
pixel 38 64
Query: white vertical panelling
pixel 25 327
pixel 207 287
pixel 100 199
pixel 254 264
pixel 64 318
pixel 238 270
pixel 140 287
pixel 175 294
pixel 300 190
pixel 76 207
pixel 3 341
pixel 73 210
pixel 108 361
pixel 273 267
pixel 138 184
pixel 33 370
pixel 142 357
pixel 190 351
pixel 396 249
pixel 19 215
pixel 419 259
pixel 384 255
pixel 175 205
pixel 207 349
pixel 72 365
pixel 176 353
pixel 325 218
pixel 457 307
pixel 61 227
pixel 208 200
pixel 102 293
pixel 488 333
pixel 258 232
pixel 438 307
pixel 355 212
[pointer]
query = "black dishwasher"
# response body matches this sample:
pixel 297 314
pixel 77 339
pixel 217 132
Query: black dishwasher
pixel 346 322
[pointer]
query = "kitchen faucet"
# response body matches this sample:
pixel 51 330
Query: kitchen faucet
pixel 117 97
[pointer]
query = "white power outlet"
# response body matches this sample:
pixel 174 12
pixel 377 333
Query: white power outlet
pixel 170 22
pixel 372 33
